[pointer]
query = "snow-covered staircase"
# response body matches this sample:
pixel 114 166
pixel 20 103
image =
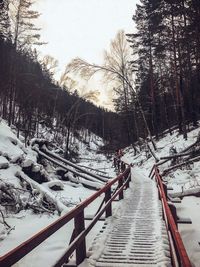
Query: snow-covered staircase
pixel 136 235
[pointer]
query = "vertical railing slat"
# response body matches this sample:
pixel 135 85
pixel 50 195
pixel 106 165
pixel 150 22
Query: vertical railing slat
pixel 79 224
pixel 120 183
pixel 107 198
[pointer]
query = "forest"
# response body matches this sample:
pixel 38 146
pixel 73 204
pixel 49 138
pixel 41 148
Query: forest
pixel 30 96
pixel 155 71
pixel 168 75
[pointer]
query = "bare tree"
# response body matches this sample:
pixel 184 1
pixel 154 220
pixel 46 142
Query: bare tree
pixel 50 63
pixel 117 68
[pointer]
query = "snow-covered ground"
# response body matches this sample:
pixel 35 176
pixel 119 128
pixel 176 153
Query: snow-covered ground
pixel 24 223
pixel 184 181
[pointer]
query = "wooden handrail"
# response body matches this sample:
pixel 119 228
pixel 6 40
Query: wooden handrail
pixel 82 234
pixel 23 249
pixel 171 224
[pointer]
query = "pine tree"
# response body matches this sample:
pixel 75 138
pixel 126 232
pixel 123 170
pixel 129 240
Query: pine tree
pixel 4 20
pixel 24 34
pixel 24 31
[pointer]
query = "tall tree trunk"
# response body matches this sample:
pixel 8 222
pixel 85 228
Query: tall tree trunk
pixel 152 92
pixel 178 104
pixel 181 94
pixel 146 124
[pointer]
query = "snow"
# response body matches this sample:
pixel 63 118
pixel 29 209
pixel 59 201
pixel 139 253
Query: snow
pixel 24 224
pixel 3 163
pixel 110 246
pixel 27 162
pixel 191 233
pixel 184 181
pixel 14 156
pixel 8 144
pixel 9 176
pixel 57 184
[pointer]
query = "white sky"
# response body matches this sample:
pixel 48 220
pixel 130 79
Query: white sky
pixel 82 28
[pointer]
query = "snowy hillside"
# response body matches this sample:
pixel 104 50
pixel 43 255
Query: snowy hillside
pixel 184 180
pixel 38 191
pixel 28 205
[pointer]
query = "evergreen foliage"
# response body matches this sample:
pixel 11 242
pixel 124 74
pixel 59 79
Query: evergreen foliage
pixel 29 96
pixel 168 77
pixel 156 87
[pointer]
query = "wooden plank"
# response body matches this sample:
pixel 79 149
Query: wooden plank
pixel 184 220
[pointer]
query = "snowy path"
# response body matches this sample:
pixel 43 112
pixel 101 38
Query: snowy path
pixel 136 234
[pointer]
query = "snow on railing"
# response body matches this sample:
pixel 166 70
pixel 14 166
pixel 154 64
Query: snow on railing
pixel 179 254
pixel 78 240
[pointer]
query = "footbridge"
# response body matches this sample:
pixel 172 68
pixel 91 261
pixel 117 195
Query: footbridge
pixel 142 231
pixel 138 235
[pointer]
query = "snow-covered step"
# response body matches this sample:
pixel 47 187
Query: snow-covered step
pixel 136 234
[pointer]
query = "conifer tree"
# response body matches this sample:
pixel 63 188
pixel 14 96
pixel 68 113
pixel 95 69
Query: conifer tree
pixel 24 34
pixel 4 20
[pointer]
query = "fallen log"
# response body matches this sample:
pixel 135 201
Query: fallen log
pixel 152 153
pixel 43 191
pixel 192 145
pixel 48 152
pixel 102 175
pixel 82 166
pixel 92 159
pixel 187 192
pixel 182 152
pixel 181 164
pixel 96 184
pixel 176 156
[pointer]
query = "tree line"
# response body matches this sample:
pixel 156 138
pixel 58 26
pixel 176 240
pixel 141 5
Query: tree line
pixel 157 76
pixel 167 40
pixel 154 73
pixel 29 95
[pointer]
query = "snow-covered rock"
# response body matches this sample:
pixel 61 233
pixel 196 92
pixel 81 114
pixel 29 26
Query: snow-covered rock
pixel 4 164
pixel 55 185
pixel 69 176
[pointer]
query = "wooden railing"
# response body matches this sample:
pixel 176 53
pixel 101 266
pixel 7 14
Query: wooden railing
pixel 78 240
pixel 178 251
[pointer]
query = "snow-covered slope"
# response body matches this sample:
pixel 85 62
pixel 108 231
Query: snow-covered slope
pixel 40 202
pixel 33 196
pixel 184 181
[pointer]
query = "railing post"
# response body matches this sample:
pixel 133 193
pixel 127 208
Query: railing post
pixel 174 213
pixel 129 180
pixel 79 224
pixel 107 198
pixel 121 194
pixel 165 188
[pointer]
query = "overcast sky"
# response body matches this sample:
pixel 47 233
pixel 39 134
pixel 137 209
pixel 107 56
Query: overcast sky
pixel 82 28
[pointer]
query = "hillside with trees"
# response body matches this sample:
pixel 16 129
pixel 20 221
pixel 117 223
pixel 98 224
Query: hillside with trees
pixel 30 96
pixel 64 160
pixel 154 73
pixel 168 74
pixel 157 76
